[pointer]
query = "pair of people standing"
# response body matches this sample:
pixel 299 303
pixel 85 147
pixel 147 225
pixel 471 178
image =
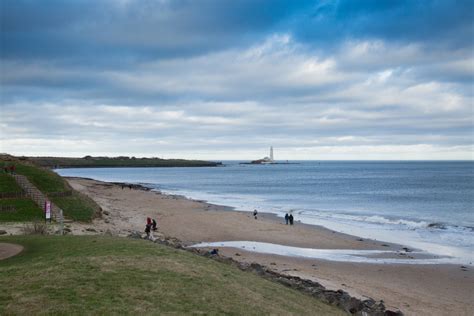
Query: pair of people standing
pixel 289 218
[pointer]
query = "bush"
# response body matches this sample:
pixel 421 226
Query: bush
pixel 35 228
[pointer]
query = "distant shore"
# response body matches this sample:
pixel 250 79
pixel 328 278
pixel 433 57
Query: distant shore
pixel 117 162
pixel 415 289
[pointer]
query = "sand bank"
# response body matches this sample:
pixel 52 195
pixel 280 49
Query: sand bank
pixel 415 289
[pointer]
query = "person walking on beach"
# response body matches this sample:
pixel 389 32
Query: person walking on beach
pixel 147 231
pixel 255 214
pixel 153 224
pixel 286 218
pixel 290 218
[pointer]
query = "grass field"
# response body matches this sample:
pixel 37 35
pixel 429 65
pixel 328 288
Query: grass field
pixel 83 275
pixel 77 206
pixel 45 180
pixel 8 184
pixel 25 210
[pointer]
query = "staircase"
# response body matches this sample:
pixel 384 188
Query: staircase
pixel 38 197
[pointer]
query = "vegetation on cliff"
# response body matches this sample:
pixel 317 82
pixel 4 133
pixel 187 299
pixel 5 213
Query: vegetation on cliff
pixel 121 161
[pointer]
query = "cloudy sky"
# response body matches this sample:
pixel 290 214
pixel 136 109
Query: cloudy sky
pixel 364 79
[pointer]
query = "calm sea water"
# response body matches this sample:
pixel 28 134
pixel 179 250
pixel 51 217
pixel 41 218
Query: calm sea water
pixel 427 205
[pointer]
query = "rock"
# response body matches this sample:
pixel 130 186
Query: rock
pixel 360 239
pixel 436 225
pixel 135 235
pixel 237 254
pixel 106 221
pixel 406 249
pixel 90 229
pixel 3 232
pixel 106 213
pixel 385 245
pixel 67 230
pixel 259 269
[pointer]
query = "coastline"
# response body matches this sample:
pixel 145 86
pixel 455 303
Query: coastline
pixel 414 289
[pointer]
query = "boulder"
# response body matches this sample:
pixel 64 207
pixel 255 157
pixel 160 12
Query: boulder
pixel 135 235
pixel 3 232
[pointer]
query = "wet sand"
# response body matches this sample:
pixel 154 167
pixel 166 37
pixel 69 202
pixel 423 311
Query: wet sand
pixel 414 289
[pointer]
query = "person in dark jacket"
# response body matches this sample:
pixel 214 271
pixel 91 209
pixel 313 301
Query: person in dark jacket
pixel 290 218
pixel 153 224
pixel 286 218
pixel 147 231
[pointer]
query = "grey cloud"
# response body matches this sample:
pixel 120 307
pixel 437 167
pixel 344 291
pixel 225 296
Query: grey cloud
pixel 194 78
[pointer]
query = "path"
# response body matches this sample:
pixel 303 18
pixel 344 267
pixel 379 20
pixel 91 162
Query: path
pixel 9 250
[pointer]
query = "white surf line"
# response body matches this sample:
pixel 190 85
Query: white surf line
pixel 340 255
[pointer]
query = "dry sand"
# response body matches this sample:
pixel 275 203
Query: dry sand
pixel 414 289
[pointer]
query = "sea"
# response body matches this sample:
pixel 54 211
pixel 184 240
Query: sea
pixel 426 205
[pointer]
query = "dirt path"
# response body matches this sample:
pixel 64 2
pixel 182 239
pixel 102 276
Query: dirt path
pixel 9 250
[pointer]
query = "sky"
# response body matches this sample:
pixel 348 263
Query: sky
pixel 218 80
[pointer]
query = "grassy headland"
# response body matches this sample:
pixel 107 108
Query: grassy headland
pixel 75 205
pixel 106 275
pixel 122 161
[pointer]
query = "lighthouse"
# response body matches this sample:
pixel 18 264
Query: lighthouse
pixel 266 160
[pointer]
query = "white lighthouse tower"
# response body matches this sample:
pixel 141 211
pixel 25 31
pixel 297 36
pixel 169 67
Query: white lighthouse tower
pixel 266 160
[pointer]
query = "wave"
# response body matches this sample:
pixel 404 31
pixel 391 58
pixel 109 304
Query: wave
pixel 400 223
pixel 249 203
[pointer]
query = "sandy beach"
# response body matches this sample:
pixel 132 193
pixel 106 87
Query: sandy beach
pixel 414 289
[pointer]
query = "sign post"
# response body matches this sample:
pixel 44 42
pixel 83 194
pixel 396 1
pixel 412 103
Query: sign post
pixel 47 210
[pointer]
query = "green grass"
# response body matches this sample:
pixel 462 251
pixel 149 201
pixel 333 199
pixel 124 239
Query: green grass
pixel 83 275
pixel 7 183
pixel 77 207
pixel 45 180
pixel 26 210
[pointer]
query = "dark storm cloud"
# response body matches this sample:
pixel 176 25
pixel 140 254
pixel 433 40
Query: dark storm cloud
pixel 101 31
